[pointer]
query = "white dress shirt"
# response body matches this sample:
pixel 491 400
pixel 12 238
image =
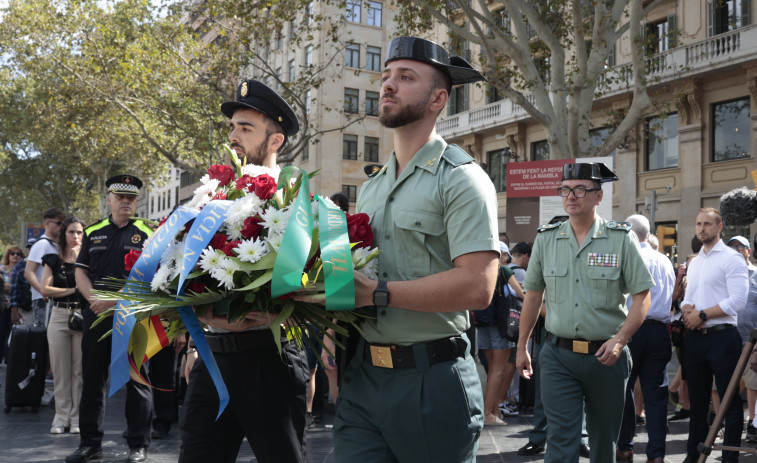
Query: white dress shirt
pixel 718 278
pixel 664 277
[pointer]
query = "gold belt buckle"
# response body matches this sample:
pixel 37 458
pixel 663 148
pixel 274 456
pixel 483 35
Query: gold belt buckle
pixel 381 356
pixel 581 347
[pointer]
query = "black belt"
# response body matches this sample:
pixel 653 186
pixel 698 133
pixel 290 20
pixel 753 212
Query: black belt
pixel 650 321
pixel 713 329
pixel 67 305
pixel 391 356
pixel 580 346
pixel 245 341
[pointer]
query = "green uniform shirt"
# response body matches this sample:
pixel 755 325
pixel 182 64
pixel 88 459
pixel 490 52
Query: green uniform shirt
pixel 442 206
pixel 585 287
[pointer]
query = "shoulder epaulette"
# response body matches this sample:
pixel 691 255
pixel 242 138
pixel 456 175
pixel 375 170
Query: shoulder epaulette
pixel 622 226
pixel 95 226
pixel 456 156
pixel 143 227
pixel 376 172
pixel 548 226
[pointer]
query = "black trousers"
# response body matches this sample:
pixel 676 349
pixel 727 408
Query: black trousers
pixel 266 405
pixel 163 378
pixel 95 372
pixel 705 355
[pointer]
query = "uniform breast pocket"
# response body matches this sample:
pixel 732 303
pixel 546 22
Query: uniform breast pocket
pixel 557 286
pixel 415 232
pixel 604 283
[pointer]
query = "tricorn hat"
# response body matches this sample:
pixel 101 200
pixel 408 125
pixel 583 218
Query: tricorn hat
pixel 458 69
pixel 252 94
pixel 588 171
pixel 124 185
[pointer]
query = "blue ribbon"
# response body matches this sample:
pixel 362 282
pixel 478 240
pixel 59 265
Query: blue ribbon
pixel 143 271
pixel 203 229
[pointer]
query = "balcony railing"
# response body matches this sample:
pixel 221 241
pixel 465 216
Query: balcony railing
pixel 729 48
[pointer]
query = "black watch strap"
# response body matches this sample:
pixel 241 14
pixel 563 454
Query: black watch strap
pixel 381 294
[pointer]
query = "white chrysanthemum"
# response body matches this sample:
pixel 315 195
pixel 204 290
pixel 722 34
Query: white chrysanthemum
pixel 370 270
pixel 242 208
pixel 161 279
pixel 173 254
pixel 274 241
pixel 253 171
pixel 205 179
pixel 210 259
pixel 224 273
pixel 252 250
pixel 275 220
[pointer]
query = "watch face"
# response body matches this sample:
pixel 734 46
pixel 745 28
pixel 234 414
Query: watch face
pixel 703 315
pixel 381 298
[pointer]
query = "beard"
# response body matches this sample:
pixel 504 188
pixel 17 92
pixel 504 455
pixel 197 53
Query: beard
pixel 257 154
pixel 406 115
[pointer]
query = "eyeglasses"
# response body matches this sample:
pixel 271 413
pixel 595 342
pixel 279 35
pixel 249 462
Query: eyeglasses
pixel 14 253
pixel 57 222
pixel 578 192
pixel 737 247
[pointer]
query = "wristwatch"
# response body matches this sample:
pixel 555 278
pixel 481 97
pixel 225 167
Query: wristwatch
pixel 703 315
pixel 381 294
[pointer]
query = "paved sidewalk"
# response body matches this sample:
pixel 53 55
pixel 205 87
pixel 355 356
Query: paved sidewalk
pixel 25 438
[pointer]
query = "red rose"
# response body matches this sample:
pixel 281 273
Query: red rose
pixel 243 182
pixel 224 174
pixel 130 259
pixel 162 221
pixel 251 227
pixel 265 186
pixel 219 195
pixel 196 286
pixel 229 248
pixel 359 230
pixel 218 241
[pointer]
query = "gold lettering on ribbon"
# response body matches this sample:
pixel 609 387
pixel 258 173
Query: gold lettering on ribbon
pixel 301 216
pixel 120 318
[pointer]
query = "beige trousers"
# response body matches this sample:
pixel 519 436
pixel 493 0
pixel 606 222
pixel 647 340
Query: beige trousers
pixel 65 360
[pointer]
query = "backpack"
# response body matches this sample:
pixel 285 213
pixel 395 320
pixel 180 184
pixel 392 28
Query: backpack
pixel 24 294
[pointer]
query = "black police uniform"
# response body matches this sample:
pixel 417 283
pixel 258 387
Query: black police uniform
pixel 102 255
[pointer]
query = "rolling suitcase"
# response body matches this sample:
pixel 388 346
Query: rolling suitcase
pixel 27 367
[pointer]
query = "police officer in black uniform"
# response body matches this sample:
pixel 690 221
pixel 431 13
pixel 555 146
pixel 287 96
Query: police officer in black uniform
pixel 102 255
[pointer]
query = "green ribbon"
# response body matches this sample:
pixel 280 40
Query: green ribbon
pixel 336 257
pixel 295 245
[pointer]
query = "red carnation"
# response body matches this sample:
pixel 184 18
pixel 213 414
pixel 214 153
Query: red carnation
pixel 251 227
pixel 218 241
pixel 243 182
pixel 219 195
pixel 196 287
pixel 130 259
pixel 224 174
pixel 265 186
pixel 359 230
pixel 162 221
pixel 229 248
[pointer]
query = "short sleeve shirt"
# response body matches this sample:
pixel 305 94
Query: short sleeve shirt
pixel 442 206
pixel 41 248
pixel 105 246
pixel 585 287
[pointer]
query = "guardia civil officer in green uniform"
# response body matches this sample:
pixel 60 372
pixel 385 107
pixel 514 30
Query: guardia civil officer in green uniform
pixel 583 268
pixel 411 393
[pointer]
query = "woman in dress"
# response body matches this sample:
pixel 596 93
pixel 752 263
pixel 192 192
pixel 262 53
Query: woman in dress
pixel 59 284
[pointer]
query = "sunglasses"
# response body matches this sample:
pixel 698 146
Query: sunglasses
pixel 57 222
pixel 14 253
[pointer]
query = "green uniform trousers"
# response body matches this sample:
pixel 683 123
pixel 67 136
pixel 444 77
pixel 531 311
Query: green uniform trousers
pixel 425 414
pixel 568 382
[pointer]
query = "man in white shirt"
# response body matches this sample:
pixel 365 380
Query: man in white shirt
pixel 46 244
pixel 651 352
pixel 716 292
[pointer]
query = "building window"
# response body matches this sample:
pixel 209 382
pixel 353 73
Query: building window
pixel 502 21
pixel 351 100
pixel 352 56
pixel 542 67
pixel 727 15
pixel 662 142
pixel 176 196
pixel 493 94
pixel 371 149
pixel 458 100
pixel 353 11
pixel 306 152
pixel 730 130
pixel 152 204
pixel 350 191
pixel 309 55
pixel 373 58
pixel 311 13
pixel 540 150
pixel 374 13
pixel 292 28
pixel 496 167
pixel 349 147
pixel 308 102
pixel 278 41
pixel 660 36
pixel 292 71
pixel 371 103
pixel 279 77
